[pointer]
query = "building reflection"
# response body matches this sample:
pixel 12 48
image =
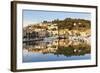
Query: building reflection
pixel 64 47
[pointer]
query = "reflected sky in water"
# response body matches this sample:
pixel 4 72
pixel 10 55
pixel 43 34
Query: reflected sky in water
pixel 63 49
pixel 39 57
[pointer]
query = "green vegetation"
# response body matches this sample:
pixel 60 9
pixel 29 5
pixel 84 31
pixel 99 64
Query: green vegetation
pixel 69 23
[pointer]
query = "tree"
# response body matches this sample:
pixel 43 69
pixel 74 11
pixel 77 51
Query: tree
pixel 45 21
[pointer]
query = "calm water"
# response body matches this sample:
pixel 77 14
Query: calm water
pixel 56 50
pixel 39 57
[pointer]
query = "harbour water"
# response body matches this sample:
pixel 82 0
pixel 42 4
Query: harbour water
pixel 56 50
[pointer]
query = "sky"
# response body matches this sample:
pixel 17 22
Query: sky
pixel 36 16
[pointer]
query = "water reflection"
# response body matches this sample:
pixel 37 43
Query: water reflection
pixel 57 47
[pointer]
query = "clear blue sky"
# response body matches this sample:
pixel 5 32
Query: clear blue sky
pixel 33 16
